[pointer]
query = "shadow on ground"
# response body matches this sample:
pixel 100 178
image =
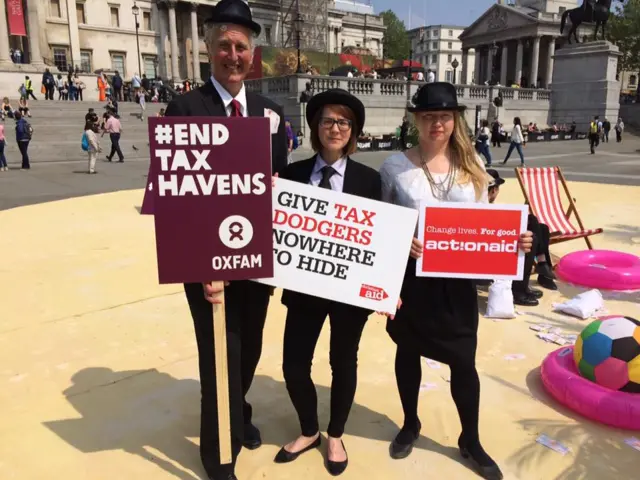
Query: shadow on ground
pixel 154 416
pixel 593 449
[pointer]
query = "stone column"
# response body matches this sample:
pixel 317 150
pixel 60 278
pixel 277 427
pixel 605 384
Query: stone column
pixel 519 53
pixel 173 37
pixel 33 28
pixel 158 10
pixel 195 43
pixel 477 68
pixel 552 52
pixel 464 68
pixel 504 66
pixel 489 72
pixel 535 54
pixel 5 61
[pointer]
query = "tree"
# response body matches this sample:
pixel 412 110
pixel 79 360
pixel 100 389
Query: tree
pixel 396 42
pixel 624 31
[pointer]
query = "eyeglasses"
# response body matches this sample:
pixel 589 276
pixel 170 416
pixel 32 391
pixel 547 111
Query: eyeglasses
pixel 342 123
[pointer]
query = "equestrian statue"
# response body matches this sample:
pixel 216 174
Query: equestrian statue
pixel 591 11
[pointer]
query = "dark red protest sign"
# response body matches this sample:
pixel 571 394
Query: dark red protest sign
pixel 463 240
pixel 211 198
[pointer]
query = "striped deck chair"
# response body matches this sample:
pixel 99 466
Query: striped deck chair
pixel 541 189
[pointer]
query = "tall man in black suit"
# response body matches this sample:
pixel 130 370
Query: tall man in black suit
pixel 229 37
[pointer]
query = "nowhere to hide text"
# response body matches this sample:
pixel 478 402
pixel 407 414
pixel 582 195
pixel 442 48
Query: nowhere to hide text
pixel 308 231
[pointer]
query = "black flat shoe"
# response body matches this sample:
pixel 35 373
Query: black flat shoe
pixel 485 467
pixel 402 445
pixel 252 439
pixel 547 283
pixel 545 270
pixel 336 468
pixel 534 292
pixel 525 300
pixel 284 456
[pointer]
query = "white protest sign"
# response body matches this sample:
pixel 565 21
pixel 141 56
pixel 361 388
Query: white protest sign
pixel 339 246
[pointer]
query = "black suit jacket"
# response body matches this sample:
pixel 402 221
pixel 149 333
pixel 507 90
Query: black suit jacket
pixel 359 180
pixel 205 101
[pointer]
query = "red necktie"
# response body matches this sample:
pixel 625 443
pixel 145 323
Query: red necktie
pixel 236 108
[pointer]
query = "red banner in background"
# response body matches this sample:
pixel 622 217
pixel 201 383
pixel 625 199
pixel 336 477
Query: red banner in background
pixel 15 16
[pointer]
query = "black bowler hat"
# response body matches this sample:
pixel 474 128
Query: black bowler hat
pixel 497 179
pixel 236 12
pixel 436 96
pixel 336 96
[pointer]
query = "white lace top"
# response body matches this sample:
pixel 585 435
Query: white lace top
pixel 407 185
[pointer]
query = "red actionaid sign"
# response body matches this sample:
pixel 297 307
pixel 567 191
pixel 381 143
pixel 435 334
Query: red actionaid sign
pixel 211 198
pixel 15 16
pixel 473 240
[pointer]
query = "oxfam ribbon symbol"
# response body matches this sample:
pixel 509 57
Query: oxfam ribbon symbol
pixel 235 232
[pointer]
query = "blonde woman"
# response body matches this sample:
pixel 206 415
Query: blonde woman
pixel 438 317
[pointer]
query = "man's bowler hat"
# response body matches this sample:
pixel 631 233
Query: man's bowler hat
pixel 435 96
pixel 337 96
pixel 236 12
pixel 497 179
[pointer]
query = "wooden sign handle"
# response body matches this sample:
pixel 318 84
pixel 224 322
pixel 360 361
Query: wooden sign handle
pixel 222 378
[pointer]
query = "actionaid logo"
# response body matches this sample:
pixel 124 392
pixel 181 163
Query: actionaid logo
pixel 373 293
pixel 457 246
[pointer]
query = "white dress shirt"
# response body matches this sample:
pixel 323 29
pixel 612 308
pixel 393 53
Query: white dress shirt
pixel 227 97
pixel 336 180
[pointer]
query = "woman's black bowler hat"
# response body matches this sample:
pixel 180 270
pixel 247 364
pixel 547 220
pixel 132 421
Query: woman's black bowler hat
pixel 436 96
pixel 236 12
pixel 337 96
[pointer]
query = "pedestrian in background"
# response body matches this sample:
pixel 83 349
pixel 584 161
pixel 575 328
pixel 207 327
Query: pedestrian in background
pixel 482 141
pixel 619 129
pixel 91 130
pixel 3 142
pixel 23 137
pixel 517 139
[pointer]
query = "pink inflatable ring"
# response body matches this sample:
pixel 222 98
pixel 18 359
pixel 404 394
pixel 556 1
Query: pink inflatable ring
pixel 563 381
pixel 602 269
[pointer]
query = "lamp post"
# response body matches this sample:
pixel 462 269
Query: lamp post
pixel 299 21
pixel 409 75
pixel 455 65
pixel 136 11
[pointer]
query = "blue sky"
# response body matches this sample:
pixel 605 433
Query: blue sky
pixel 451 12
pixel 435 12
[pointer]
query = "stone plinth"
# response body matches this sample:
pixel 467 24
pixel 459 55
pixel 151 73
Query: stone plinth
pixel 584 83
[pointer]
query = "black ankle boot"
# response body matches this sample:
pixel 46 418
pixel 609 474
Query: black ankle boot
pixel 402 445
pixel 485 466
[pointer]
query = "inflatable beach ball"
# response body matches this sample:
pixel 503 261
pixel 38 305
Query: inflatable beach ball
pixel 607 352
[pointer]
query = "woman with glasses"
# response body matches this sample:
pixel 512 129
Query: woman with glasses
pixel 335 118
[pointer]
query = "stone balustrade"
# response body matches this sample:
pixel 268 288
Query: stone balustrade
pixel 386 100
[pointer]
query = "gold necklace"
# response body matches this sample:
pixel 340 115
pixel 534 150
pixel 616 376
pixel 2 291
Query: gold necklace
pixel 439 190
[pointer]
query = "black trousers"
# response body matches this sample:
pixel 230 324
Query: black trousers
pixel 541 238
pixel 23 146
pixel 246 310
pixel 115 146
pixel 303 326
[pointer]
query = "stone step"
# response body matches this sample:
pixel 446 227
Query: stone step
pixel 58 128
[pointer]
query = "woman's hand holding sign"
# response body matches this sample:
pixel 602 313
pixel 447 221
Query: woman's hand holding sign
pixel 390 315
pixel 525 242
pixel 416 248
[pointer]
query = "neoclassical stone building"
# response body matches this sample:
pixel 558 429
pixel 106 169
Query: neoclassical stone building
pixel 101 34
pixel 516 42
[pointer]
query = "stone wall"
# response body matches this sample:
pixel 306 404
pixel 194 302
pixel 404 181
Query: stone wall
pixel 386 100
